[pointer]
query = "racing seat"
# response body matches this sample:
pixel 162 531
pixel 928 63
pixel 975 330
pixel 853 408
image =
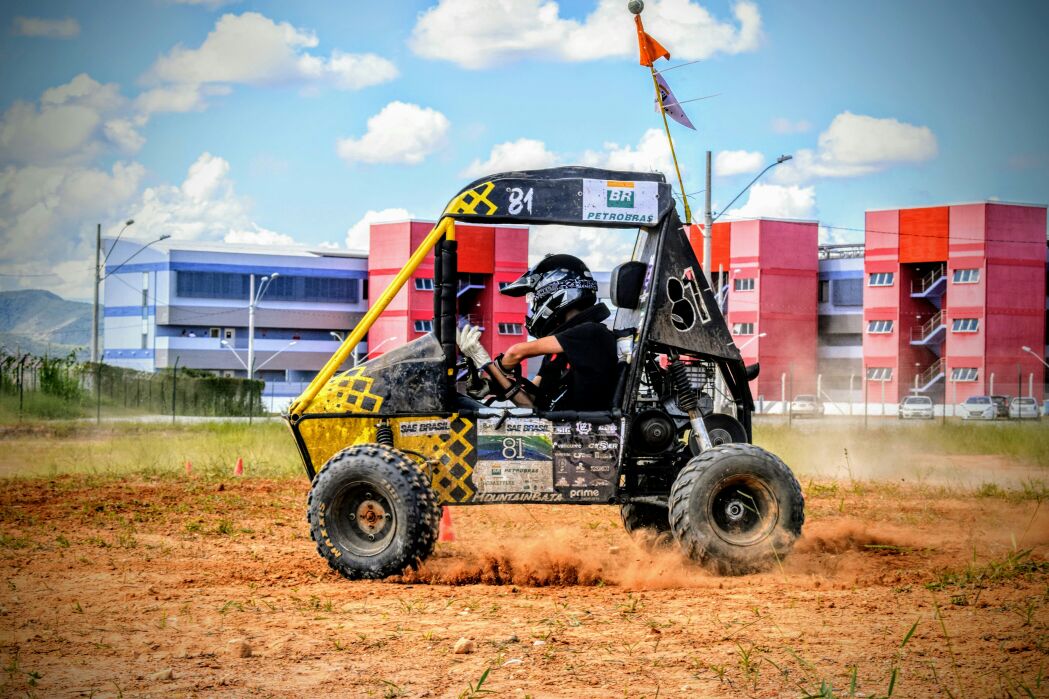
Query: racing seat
pixel 624 290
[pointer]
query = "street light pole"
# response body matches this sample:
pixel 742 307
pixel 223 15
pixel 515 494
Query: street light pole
pixel 1031 352
pixel 253 301
pixel 708 228
pixel 779 161
pixel 98 283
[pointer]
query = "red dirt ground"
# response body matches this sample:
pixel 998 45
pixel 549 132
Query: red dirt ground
pixel 200 588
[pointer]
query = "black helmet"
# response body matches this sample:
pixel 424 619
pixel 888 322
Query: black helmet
pixel 558 284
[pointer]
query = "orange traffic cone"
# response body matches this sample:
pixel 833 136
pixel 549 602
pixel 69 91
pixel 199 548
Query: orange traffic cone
pixel 445 532
pixel 189 467
pixel 238 470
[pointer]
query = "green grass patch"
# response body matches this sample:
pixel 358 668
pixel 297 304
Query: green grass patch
pixel 149 450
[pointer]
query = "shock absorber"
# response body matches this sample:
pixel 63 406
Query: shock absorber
pixel 384 433
pixel 689 401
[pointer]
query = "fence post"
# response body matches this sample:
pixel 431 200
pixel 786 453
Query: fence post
pixel 174 389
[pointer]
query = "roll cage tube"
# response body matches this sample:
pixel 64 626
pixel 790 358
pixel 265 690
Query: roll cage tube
pixel 445 229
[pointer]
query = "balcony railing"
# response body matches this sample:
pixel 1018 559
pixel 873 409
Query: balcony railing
pixel 927 329
pixel 920 287
pixel 931 375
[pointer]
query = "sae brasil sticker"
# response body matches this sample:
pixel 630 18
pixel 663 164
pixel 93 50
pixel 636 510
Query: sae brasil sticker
pixel 620 201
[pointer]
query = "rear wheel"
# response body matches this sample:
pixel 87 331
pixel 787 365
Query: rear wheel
pixel 736 509
pixel 648 524
pixel 372 512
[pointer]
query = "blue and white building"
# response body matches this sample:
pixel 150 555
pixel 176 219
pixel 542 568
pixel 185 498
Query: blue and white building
pixel 188 302
pixel 840 347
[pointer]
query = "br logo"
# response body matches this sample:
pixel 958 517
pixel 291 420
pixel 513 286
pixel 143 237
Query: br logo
pixel 683 295
pixel 621 198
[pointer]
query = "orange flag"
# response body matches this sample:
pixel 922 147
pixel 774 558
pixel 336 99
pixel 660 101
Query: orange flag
pixel 650 48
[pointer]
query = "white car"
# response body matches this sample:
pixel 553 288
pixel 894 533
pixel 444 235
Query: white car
pixel 806 405
pixel 916 407
pixel 1023 409
pixel 978 408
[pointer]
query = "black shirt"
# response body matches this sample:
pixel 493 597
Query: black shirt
pixel 583 376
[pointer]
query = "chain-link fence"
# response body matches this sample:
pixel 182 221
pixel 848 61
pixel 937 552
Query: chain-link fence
pixel 63 387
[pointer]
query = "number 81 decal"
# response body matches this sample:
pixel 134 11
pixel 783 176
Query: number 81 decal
pixel 519 199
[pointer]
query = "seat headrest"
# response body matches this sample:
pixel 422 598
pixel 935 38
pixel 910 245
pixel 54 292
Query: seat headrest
pixel 625 285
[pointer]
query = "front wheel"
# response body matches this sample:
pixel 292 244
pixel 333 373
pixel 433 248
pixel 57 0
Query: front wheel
pixel 736 509
pixel 372 513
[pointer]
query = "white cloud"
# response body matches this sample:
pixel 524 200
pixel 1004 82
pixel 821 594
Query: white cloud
pixel 258 236
pixel 170 98
pixel 737 162
pixel 776 201
pixel 522 154
pixel 855 144
pixel 400 133
pixel 72 123
pixel 65 28
pixel 252 49
pixel 600 248
pixel 357 236
pixel 45 217
pixel 783 125
pixel 652 154
pixel 204 207
pixel 481 33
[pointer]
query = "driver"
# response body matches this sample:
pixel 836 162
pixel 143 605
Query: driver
pixel 579 352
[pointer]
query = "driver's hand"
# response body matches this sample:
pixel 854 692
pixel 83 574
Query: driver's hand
pixel 469 340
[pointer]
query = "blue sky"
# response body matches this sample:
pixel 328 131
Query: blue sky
pixel 249 121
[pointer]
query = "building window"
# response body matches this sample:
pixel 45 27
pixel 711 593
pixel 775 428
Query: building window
pixel 424 326
pixel 214 332
pixel 965 325
pixel 966 276
pixel 879 326
pixel 847 292
pixel 879 373
pixel 964 374
pixel 881 279
pixel 229 334
pixel 423 284
pixel 232 285
pixel 510 329
pixel 742 328
pixel 743 284
pixel 824 296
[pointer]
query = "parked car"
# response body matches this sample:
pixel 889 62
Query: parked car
pixel 978 408
pixel 915 408
pixel 806 405
pixel 1001 404
pixel 1023 409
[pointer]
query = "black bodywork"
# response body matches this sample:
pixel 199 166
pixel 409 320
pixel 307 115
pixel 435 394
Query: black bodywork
pixel 665 305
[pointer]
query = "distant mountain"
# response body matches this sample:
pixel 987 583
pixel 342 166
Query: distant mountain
pixel 38 321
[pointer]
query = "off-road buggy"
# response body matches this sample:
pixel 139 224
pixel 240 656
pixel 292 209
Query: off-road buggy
pixel 390 441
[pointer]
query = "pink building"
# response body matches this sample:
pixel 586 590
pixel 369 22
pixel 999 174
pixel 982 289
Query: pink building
pixel 769 284
pixel 951 295
pixel 488 256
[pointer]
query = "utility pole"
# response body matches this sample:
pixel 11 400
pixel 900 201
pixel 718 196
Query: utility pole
pixel 708 229
pixel 251 325
pixel 98 281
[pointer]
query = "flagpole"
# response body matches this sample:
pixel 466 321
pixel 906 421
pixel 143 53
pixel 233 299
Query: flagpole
pixel 670 140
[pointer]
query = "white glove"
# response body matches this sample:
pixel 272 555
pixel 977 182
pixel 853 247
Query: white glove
pixel 469 341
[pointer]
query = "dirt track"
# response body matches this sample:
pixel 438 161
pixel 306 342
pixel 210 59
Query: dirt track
pixel 106 583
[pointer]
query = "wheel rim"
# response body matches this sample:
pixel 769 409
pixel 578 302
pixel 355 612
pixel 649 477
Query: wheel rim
pixel 719 436
pixel 742 510
pixel 362 519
